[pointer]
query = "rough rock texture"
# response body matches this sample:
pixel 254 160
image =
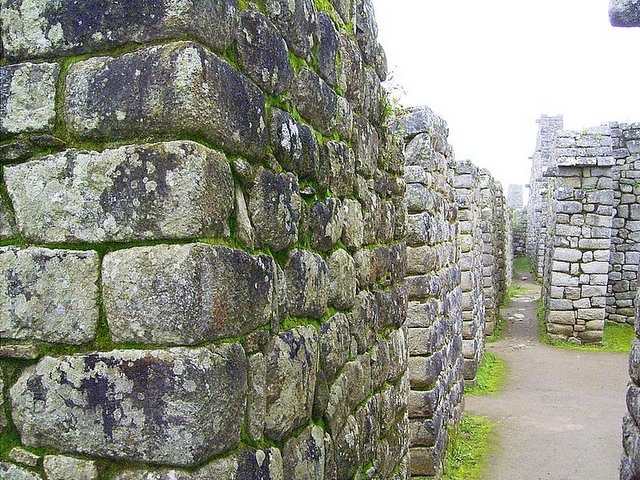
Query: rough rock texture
pixel 630 462
pixel 180 87
pixel 13 472
pixel 45 28
pixel 624 13
pixel 138 192
pixel 175 407
pixel 27 97
pixel 187 294
pixel 59 467
pixel 48 295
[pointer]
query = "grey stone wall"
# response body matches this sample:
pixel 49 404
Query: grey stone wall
pixel 537 207
pixel 515 197
pixel 625 234
pixel 578 234
pixel 519 232
pixel 203 222
pixel 433 285
pixel 470 243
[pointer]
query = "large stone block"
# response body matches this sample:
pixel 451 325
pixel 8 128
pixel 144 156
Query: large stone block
pixel 307 284
pixel 245 464
pixel 175 407
pixel 9 471
pixel 137 192
pixel 262 53
pixel 27 96
pixel 292 363
pixel 274 208
pixel 303 457
pixel 48 295
pixel 624 13
pixel 179 88
pixel 186 294
pixel 50 28
pixel 60 467
pixel 296 20
pixel 316 101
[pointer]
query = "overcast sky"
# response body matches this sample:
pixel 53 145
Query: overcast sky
pixel 490 68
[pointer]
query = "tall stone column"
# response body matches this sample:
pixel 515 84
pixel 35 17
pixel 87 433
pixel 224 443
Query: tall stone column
pixel 433 285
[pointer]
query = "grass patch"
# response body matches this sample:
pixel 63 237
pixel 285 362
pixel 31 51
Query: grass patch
pixel 522 264
pixel 490 376
pixel 513 291
pixel 498 330
pixel 617 337
pixel 469 447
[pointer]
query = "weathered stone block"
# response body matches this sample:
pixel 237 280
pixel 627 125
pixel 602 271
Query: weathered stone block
pixel 292 362
pixel 137 192
pixel 256 398
pixel 176 407
pixel 337 168
pixel 180 88
pixel 47 28
pixel 27 96
pixel 59 467
pixel 315 100
pixel 186 294
pixel 296 20
pixel 350 388
pixel 342 280
pixel 48 295
pixel 13 472
pixel 274 208
pixel 295 145
pixel 245 464
pixel 335 343
pixel 24 457
pixel 262 53
pixel 326 223
pixel 7 221
pixel 303 457
pixel 307 284
pixel 327 48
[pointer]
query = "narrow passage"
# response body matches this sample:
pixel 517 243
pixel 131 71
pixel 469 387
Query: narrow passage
pixel 559 412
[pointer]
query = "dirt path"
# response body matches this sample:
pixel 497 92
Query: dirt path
pixel 559 413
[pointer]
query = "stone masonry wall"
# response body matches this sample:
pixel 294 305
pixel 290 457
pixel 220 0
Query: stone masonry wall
pixel 518 219
pixel 202 218
pixel 433 285
pixel 625 234
pixel 470 242
pixel 578 235
pixel 494 247
pixel 537 207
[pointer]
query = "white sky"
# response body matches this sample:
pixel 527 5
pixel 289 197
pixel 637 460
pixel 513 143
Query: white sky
pixel 490 68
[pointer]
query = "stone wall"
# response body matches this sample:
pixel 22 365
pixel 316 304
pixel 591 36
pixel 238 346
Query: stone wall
pixel 519 229
pixel 537 207
pixel 470 242
pixel 578 235
pixel 625 235
pixel 433 285
pixel 494 247
pixel 515 197
pixel 203 226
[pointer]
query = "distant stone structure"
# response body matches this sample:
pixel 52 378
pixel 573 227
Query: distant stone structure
pixel 515 197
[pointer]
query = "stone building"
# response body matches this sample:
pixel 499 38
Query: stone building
pixel 515 197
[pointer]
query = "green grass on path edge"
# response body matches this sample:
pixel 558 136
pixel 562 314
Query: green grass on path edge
pixel 490 376
pixel 469 447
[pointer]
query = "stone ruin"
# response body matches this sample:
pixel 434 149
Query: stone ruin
pixel 206 226
pixel 583 228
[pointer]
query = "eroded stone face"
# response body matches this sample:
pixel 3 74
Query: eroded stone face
pixel 304 456
pixel 174 407
pixel 186 294
pixel 246 464
pixel 45 28
pixel 13 472
pixel 137 192
pixel 179 87
pixel 59 467
pixel 48 295
pixel 274 207
pixel 27 96
pixel 7 221
pixel 292 362
pixel 307 284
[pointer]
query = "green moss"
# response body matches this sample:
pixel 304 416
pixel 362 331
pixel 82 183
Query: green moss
pixel 490 377
pixel 231 55
pixel 327 6
pixel 469 448
pixel 297 63
pixel 513 291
